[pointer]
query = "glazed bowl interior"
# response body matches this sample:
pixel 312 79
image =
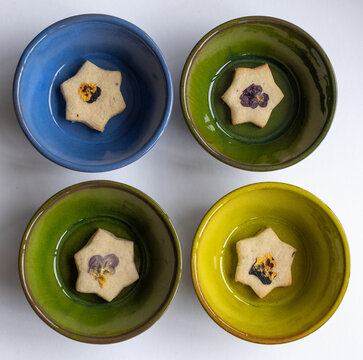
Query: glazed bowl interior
pixel 55 55
pixel 63 225
pixel 300 68
pixel 320 270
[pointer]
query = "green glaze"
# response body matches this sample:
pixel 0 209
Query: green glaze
pixel 320 269
pixel 63 225
pixel 300 68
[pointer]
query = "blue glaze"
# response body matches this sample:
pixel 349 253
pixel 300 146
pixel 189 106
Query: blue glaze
pixel 111 43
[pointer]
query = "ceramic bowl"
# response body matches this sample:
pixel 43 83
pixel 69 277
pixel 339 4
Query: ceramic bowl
pixel 55 55
pixel 320 270
pixel 300 68
pixel 63 225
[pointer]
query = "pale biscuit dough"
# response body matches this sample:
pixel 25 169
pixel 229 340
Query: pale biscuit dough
pixel 243 78
pixel 265 242
pixel 109 103
pixel 121 273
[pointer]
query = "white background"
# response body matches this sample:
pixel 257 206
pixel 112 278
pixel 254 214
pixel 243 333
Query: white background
pixel 183 178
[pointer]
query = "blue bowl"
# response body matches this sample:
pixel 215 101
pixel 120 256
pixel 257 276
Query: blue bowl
pixel 111 43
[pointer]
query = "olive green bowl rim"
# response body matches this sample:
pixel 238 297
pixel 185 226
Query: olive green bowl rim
pixel 47 205
pixel 264 186
pixel 189 120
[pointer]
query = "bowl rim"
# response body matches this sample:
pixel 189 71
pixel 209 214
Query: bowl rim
pixel 184 102
pixel 89 185
pixel 72 20
pixel 265 186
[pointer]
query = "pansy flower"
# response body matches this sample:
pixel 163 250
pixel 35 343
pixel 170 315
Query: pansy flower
pixel 102 266
pixel 253 97
pixel 263 268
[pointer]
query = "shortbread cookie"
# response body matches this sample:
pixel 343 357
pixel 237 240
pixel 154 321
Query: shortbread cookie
pixel 93 96
pixel 264 262
pixel 105 265
pixel 252 95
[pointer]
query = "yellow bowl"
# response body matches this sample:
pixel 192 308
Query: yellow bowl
pixel 320 270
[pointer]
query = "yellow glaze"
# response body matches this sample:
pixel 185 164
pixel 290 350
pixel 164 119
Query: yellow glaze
pixel 320 272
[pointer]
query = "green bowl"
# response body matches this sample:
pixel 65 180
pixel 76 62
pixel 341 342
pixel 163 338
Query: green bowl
pixel 320 270
pixel 300 68
pixel 63 225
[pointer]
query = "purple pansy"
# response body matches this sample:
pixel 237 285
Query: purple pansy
pixel 103 264
pixel 253 97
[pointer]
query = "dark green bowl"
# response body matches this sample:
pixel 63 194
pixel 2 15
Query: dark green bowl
pixel 300 68
pixel 63 225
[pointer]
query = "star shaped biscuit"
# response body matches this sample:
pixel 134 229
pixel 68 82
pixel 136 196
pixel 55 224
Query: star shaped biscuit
pixel 93 96
pixel 264 262
pixel 105 265
pixel 252 95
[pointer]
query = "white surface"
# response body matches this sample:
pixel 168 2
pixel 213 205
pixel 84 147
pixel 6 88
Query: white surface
pixel 183 178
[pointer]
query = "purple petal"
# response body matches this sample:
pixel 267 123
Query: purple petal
pixel 257 89
pixel 264 101
pixel 253 103
pixel 95 262
pixel 245 100
pixel 110 262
